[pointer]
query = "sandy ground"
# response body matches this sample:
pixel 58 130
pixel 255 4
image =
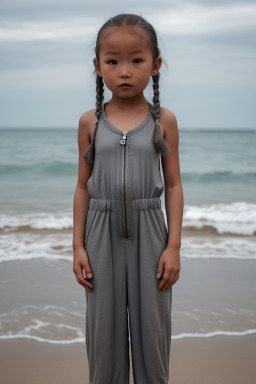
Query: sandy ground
pixel 209 286
pixel 213 360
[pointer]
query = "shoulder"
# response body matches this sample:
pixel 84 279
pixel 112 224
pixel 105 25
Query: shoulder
pixel 85 129
pixel 87 121
pixel 169 125
pixel 168 122
pixel 167 117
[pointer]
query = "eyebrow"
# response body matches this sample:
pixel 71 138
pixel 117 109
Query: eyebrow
pixel 116 53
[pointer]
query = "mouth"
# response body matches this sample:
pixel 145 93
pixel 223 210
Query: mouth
pixel 125 85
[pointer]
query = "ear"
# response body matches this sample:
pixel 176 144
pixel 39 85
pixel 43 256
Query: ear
pixel 97 67
pixel 156 67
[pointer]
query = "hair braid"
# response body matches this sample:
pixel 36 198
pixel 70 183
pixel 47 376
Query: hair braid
pixel 160 144
pixel 89 153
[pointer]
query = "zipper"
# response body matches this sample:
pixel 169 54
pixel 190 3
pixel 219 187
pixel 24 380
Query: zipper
pixel 124 218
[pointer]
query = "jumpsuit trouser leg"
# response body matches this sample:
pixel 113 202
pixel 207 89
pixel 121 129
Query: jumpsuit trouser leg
pixel 125 284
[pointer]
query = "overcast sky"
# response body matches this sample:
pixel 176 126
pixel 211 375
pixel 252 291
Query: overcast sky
pixel 47 48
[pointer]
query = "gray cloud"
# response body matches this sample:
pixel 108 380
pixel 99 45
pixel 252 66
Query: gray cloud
pixel 209 47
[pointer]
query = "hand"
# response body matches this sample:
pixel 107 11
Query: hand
pixel 80 262
pixel 170 263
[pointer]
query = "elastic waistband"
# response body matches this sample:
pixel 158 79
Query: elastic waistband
pixel 115 205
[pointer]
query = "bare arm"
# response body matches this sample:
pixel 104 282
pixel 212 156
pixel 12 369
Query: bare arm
pixel 81 201
pixel 174 201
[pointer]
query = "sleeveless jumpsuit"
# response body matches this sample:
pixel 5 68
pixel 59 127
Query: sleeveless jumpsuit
pixel 124 238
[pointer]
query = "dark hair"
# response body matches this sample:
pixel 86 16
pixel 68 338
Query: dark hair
pixel 119 20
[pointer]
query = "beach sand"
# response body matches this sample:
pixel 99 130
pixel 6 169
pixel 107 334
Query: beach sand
pixel 218 359
pixel 210 295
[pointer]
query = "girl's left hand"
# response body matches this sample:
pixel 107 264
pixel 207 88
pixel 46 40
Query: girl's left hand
pixel 169 263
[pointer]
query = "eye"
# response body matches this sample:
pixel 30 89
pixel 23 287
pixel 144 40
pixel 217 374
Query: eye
pixel 111 60
pixel 137 59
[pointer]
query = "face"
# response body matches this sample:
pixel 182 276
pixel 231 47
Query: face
pixel 126 57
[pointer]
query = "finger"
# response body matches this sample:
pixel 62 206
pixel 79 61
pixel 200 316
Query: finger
pixel 87 270
pixel 170 281
pixel 166 285
pixel 85 283
pixel 165 278
pixel 88 275
pixel 87 287
pixel 81 279
pixel 177 276
pixel 160 269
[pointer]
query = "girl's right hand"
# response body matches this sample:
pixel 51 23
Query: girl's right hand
pixel 80 263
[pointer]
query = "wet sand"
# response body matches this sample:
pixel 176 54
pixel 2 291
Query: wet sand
pixel 219 359
pixel 210 290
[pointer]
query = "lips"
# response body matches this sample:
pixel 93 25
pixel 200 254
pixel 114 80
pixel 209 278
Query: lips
pixel 125 85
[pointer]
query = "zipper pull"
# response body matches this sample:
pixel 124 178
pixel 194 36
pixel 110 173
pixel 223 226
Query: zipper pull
pixel 123 140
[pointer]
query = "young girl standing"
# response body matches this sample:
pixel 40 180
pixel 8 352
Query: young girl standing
pixel 124 256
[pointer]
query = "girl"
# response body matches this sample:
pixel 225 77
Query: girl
pixel 124 256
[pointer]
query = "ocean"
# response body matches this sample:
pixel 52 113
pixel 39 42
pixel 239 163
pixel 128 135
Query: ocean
pixel 40 298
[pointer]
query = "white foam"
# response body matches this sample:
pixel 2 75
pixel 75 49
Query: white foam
pixel 215 333
pixel 59 325
pixel 236 218
pixel 31 246
pixel 37 220
pixel 221 247
pixel 22 237
pixel 58 246
pixel 173 337
pixel 43 340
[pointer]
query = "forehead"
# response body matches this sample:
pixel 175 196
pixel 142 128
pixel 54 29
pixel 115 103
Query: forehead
pixel 125 38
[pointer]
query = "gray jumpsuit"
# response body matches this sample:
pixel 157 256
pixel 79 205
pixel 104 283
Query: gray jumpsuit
pixel 124 238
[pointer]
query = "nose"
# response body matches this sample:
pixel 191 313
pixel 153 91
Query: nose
pixel 125 72
pixel 125 75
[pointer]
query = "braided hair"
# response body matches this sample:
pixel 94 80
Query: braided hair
pixel 89 153
pixel 160 144
pixel 119 20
